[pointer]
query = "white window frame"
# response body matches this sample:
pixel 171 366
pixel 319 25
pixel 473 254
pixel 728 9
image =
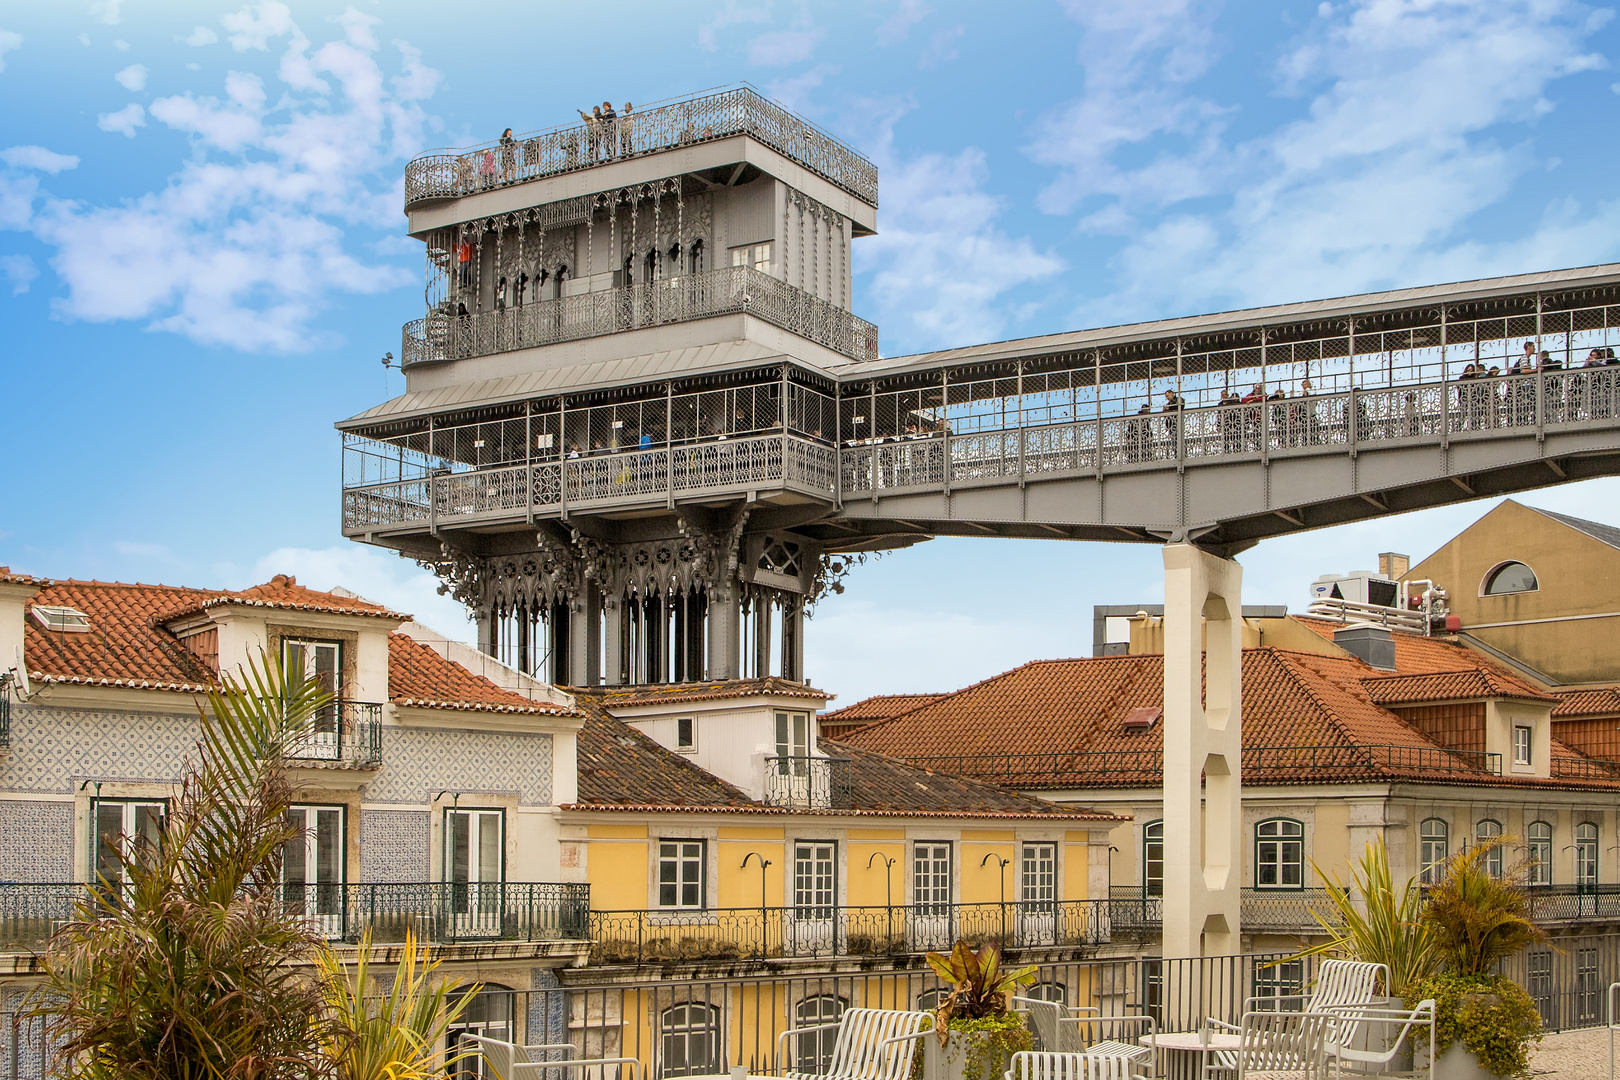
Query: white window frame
pixel 712 1027
pixel 757 255
pixel 1153 856
pixel 130 818
pixel 1487 830
pixel 1279 851
pixel 1434 848
pixel 475 816
pixel 1538 846
pixel 1038 873
pixel 1586 854
pixel 689 745
pixel 928 896
pixel 683 853
pixel 318 896
pixel 1524 744
pixel 815 879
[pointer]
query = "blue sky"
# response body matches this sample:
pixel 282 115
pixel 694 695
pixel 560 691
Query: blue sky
pixel 202 255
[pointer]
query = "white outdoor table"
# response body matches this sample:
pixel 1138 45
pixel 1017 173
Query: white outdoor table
pixel 1188 1055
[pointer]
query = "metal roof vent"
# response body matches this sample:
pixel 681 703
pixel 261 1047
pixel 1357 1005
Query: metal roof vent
pixel 1371 644
pixel 61 620
pixel 1142 719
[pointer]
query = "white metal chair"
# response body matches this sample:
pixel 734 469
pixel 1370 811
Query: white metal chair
pixel 1339 983
pixel 515 1061
pixel 1276 1045
pixel 1369 1061
pixel 872 1044
pixel 1057 1031
pixel 1047 1065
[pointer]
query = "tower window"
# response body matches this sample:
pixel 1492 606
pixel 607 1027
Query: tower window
pixel 686 733
pixel 756 255
pixel 1509 578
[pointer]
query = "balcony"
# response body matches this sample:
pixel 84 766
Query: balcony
pixel 1137 911
pixel 652 477
pixel 536 155
pixel 808 783
pixel 346 734
pixel 440 913
pixel 1575 903
pixel 5 718
pixel 632 937
pixel 730 290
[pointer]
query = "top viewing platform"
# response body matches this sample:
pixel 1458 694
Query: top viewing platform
pixel 452 174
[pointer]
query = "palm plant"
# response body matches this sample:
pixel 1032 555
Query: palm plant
pixel 1387 927
pixel 399 1036
pixel 1477 918
pixel 188 970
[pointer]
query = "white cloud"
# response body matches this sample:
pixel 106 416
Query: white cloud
pixel 124 121
pixel 357 28
pixel 200 35
pixel 940 267
pixel 133 77
pixel 779 48
pixel 121 45
pixel 896 27
pixel 256 24
pixel 380 577
pixel 10 41
pixel 941 47
pixel 107 12
pixel 39 158
pixel 731 14
pixel 249 240
pixel 19 272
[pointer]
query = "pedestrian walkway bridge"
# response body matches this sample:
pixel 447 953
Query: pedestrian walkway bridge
pixel 1221 429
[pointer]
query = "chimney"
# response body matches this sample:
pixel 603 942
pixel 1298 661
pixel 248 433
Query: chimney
pixel 1393 566
pixel 1372 644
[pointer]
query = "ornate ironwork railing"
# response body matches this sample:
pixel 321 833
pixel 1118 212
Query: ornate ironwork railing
pixel 1135 909
pixel 438 912
pixel 345 732
pixel 5 717
pixel 741 111
pixel 834 930
pixel 728 290
pixel 936 454
pixel 717 465
pixel 1574 903
pixel 1261 764
pixel 808 783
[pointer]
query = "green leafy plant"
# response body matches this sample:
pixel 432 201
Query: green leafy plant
pixel 1493 1016
pixel 989 1042
pixel 978 1008
pixel 1387 927
pixel 399 1036
pixel 1477 918
pixel 189 969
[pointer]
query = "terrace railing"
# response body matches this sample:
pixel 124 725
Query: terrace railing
pixel 449 174
pixel 1134 909
pixel 5 718
pixel 717 465
pixel 439 912
pixel 659 936
pixel 1575 903
pixel 345 733
pixel 808 783
pixel 728 290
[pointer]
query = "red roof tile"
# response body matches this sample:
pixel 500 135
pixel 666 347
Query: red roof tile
pixel 1602 701
pixel 623 697
pixel 420 678
pixel 880 707
pixel 1476 682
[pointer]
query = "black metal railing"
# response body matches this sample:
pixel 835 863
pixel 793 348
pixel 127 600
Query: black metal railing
pixel 1584 769
pixel 535 155
pixel 729 290
pixel 345 732
pixel 808 783
pixel 1136 909
pixel 438 912
pixel 1575 903
pixel 5 717
pixel 658 936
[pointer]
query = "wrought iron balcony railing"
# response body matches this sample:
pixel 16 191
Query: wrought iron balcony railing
pixel 622 937
pixel 808 783
pixel 5 717
pixel 1134 909
pixel 451 174
pixel 344 733
pixel 442 913
pixel 714 466
pixel 1575 903
pixel 728 290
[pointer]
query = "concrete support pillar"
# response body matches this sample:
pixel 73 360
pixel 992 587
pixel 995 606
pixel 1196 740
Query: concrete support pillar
pixel 486 632
pixel 1203 731
pixel 585 637
pixel 763 612
pixel 725 619
pixel 613 620
pixel 793 640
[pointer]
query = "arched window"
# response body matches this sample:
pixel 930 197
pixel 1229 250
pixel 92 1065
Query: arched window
pixel 815 1048
pixel 1048 991
pixel 1153 858
pixel 1279 854
pixel 692 1039
pixel 1434 847
pixel 488 1013
pixel 696 256
pixel 1510 577
pixel 929 1000
pixel 1539 848
pixel 1586 855
pixel 1490 832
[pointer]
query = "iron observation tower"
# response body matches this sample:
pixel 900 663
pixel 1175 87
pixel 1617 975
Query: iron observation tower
pixel 621 400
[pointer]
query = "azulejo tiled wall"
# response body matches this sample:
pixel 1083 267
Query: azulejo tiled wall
pixel 36 841
pixel 52 750
pixel 394 845
pixel 420 762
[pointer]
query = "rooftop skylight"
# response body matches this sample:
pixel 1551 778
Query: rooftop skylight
pixel 62 620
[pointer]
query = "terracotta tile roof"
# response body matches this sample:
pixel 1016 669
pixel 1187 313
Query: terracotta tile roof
pixel 420 678
pixel 1602 701
pixel 879 783
pixel 1476 682
pixel 880 707
pixel 676 693
pixel 8 578
pixel 284 592
pixel 1414 653
pixel 1307 717
pixel 621 767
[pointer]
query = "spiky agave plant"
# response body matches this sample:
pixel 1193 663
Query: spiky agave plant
pixel 1386 928
pixel 397 1036
pixel 187 971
